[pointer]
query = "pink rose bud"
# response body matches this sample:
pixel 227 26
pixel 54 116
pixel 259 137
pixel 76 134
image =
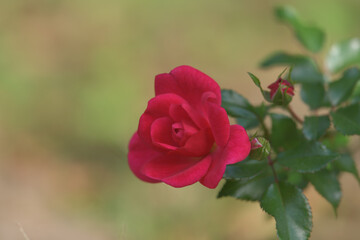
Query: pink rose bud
pixel 184 135
pixel 260 148
pixel 255 144
pixel 281 91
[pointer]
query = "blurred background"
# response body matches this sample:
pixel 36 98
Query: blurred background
pixel 76 75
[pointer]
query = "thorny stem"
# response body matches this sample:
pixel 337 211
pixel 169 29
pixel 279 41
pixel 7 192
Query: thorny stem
pixel 271 164
pixel 294 115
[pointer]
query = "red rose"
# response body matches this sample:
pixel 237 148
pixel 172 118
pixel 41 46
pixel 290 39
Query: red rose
pixel 184 135
pixel 285 86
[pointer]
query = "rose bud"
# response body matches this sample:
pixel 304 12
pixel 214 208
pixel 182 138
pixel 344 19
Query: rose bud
pixel 184 135
pixel 281 92
pixel 260 148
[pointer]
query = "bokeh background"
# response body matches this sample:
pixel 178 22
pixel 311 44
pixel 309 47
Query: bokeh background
pixel 75 76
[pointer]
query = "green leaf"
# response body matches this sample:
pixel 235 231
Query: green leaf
pixel 310 36
pixel 327 184
pixel 304 68
pixel 266 94
pixel 291 210
pixel 313 94
pixel 281 59
pixel 355 97
pixel 341 90
pixel 244 117
pixel 284 132
pixel 238 107
pixel 296 179
pixel 347 119
pixel 315 126
pixel 306 157
pixel 245 169
pixel 255 80
pixel 346 163
pixel 343 54
pixel 231 98
pixel 249 190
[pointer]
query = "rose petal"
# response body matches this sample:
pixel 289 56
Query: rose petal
pixel 219 124
pixel 177 171
pixel 140 152
pixel 199 144
pixel 237 149
pixel 161 133
pixel 239 145
pixel 187 82
pixel 157 107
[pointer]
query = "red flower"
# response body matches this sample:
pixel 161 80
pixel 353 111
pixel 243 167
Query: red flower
pixel 284 85
pixel 184 135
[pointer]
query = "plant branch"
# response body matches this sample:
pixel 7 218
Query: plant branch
pixel 294 115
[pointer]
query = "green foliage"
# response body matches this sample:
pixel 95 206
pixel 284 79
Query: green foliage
pixel 284 133
pixel 343 55
pixel 310 36
pixel 346 163
pixel 347 119
pixel 306 157
pixel 341 90
pixel 291 210
pixel 315 126
pixel 327 184
pixel 238 107
pixel 245 169
pixel 299 152
pixel 313 94
pixel 247 189
pixel 304 68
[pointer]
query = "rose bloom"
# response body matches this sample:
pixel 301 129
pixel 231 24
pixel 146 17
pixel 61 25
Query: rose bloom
pixel 184 135
pixel 284 85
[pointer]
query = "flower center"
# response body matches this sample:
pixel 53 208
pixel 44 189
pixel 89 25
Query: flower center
pixel 177 131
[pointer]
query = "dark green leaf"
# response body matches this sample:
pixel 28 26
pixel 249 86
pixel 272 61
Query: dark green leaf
pixel 327 184
pixel 342 89
pixel 347 119
pixel 245 169
pixel 291 211
pixel 250 190
pixel 315 126
pixel 355 97
pixel 346 163
pixel 310 36
pixel 304 69
pixel 284 132
pixel 255 79
pixel 282 58
pixel 297 179
pixel 232 98
pixel 307 157
pixel 313 94
pixel 238 107
pixel 343 54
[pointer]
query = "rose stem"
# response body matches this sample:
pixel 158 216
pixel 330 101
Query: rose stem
pixel 271 164
pixel 294 115
pixel 266 131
